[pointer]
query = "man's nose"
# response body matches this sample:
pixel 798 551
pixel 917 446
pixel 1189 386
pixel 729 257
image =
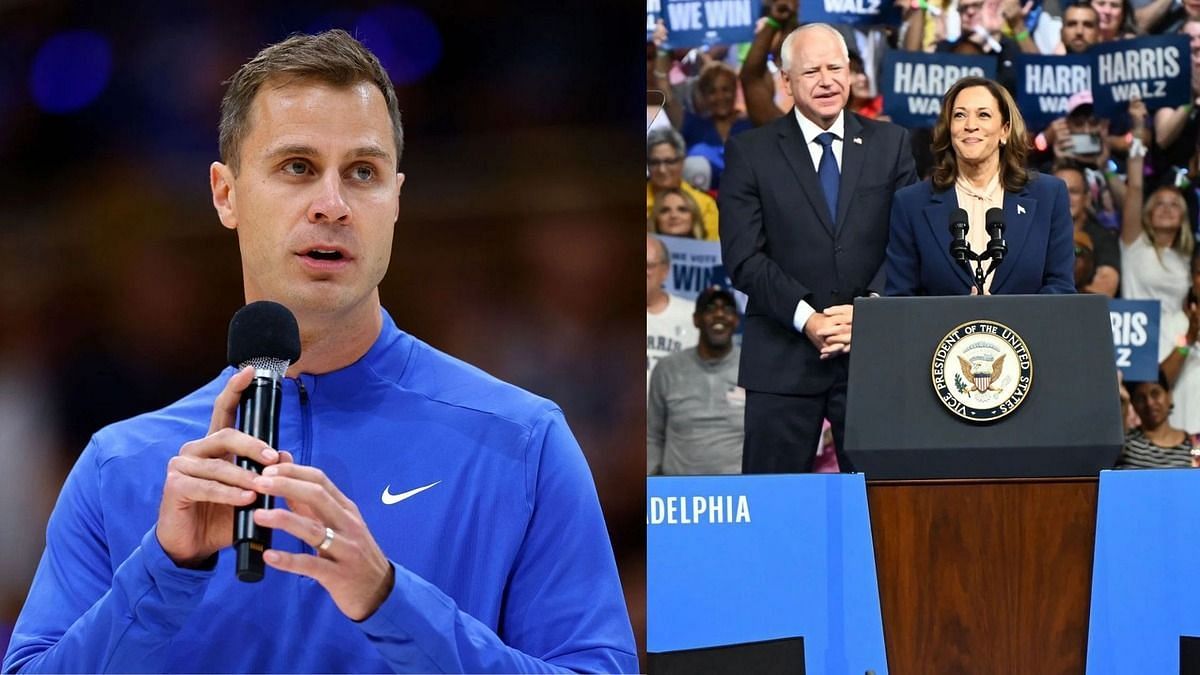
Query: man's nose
pixel 329 204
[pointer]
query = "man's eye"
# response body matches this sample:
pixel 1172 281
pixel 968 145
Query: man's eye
pixel 364 172
pixel 296 167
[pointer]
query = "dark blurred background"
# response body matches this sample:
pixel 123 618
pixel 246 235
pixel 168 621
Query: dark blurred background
pixel 515 248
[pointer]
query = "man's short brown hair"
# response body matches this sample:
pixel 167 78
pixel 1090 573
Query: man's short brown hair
pixel 332 57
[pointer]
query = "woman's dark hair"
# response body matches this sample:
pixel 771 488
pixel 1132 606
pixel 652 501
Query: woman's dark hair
pixel 1013 151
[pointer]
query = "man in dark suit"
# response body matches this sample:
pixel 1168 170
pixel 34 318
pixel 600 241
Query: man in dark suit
pixel 804 225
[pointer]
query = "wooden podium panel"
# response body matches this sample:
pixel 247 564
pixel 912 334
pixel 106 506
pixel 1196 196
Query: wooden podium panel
pixel 984 575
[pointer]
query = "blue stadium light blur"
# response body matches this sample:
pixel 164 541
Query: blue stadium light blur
pixel 404 38
pixel 70 71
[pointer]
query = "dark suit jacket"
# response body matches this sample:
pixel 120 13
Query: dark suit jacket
pixel 1038 229
pixel 779 246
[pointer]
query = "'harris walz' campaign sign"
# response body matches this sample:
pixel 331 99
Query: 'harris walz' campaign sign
pixel 853 12
pixel 914 83
pixel 1045 83
pixel 691 23
pixel 1135 325
pixel 1157 69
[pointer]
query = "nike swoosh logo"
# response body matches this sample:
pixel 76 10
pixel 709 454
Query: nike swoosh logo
pixel 389 498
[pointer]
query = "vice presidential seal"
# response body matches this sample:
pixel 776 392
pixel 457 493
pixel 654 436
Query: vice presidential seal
pixel 982 371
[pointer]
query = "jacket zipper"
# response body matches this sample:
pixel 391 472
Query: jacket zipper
pixel 305 458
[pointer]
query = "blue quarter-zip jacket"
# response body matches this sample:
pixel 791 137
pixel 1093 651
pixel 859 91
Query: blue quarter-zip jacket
pixel 503 565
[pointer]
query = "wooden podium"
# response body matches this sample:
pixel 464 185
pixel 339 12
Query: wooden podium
pixel 984 529
pixel 984 575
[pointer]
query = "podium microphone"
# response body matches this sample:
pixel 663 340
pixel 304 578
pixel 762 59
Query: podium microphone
pixel 997 247
pixel 264 335
pixel 959 250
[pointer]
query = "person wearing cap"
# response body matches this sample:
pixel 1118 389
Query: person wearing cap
pixel 804 202
pixel 695 412
pixel 428 517
pixel 980 164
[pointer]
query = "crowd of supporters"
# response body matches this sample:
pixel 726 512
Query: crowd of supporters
pixel 1133 178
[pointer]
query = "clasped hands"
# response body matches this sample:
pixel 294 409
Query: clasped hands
pixel 203 485
pixel 829 331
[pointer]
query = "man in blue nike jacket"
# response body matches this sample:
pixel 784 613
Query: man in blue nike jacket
pixel 467 536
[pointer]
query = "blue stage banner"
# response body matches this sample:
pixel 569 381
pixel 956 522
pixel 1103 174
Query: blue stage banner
pixel 1156 68
pixel 1135 337
pixel 1144 590
pixel 914 83
pixel 736 559
pixel 1044 83
pixel 653 7
pixel 692 23
pixel 853 12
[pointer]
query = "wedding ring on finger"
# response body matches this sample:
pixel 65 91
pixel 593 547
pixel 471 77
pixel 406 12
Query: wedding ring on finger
pixel 327 541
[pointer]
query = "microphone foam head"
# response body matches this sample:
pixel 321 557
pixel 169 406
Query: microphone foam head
pixel 262 334
pixel 994 216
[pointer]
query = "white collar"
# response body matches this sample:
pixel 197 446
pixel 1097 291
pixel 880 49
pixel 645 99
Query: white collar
pixel 810 130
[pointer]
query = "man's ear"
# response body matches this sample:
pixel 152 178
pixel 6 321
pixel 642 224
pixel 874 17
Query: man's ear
pixel 224 194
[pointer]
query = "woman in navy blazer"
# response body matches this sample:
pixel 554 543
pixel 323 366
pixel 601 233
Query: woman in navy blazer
pixel 980 150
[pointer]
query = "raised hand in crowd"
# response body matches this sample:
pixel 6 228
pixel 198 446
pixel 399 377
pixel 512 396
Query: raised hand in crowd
pixel 758 85
pixel 660 71
pixel 1172 366
pixel 1016 17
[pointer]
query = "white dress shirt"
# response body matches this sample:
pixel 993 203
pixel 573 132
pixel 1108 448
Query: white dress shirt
pixel 810 131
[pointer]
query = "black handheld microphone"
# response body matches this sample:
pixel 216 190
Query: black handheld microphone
pixel 959 250
pixel 265 335
pixel 994 223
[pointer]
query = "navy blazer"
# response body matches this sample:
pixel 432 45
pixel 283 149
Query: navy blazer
pixel 1038 229
pixel 781 245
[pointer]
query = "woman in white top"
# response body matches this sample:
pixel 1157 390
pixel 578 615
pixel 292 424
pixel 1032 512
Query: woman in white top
pixel 1156 246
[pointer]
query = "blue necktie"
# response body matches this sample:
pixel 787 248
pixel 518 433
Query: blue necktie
pixel 827 171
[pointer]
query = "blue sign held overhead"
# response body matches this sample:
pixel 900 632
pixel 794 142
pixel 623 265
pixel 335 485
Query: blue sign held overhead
pixel 1046 82
pixel 914 83
pixel 1156 69
pixel 693 23
pixel 853 12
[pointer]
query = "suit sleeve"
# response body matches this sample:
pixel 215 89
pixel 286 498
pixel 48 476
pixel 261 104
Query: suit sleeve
pixel 563 608
pixel 82 617
pixel 744 241
pixel 906 174
pixel 903 260
pixel 1059 275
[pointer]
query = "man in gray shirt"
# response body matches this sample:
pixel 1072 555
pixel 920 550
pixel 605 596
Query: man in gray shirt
pixel 695 413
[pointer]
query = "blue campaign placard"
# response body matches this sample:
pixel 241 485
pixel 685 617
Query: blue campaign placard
pixel 695 265
pixel 1135 325
pixel 853 12
pixel 1045 82
pixel 736 559
pixel 913 83
pixel 653 7
pixel 692 23
pixel 1155 68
